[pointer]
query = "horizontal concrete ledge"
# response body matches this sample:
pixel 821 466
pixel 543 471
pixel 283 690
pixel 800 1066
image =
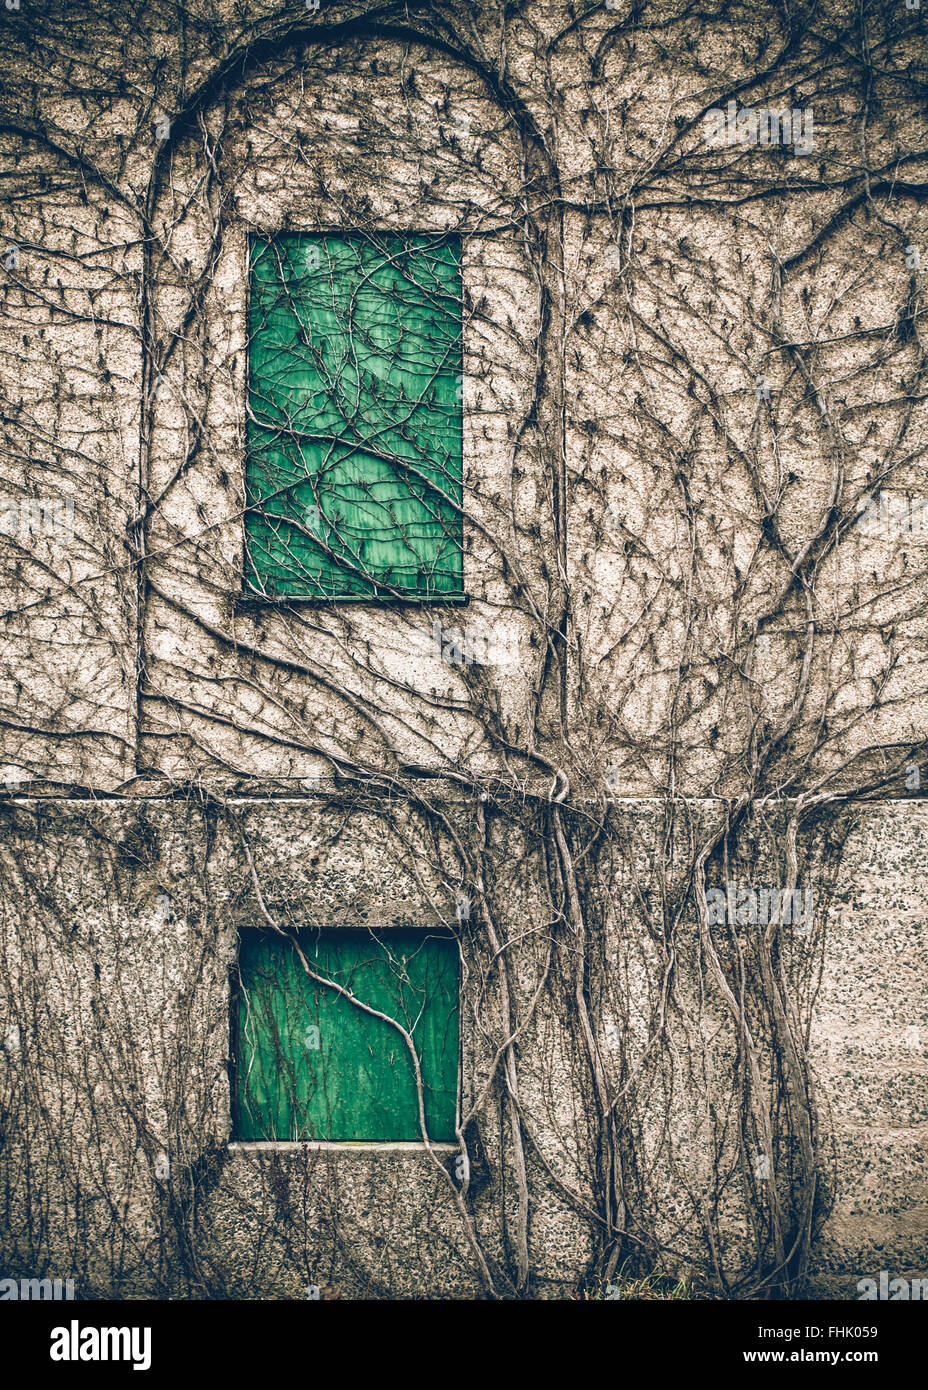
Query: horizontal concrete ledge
pixel 330 789
pixel 326 1146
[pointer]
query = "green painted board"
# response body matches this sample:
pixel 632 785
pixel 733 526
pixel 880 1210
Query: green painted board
pixel 311 1065
pixel 353 477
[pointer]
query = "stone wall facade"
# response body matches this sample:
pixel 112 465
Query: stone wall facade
pixel 693 400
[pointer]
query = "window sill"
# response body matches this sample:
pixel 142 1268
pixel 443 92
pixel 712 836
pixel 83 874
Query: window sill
pixel 252 600
pixel 347 1146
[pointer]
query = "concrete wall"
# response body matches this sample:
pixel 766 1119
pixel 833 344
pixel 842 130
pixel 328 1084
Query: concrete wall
pixel 643 526
pixel 120 929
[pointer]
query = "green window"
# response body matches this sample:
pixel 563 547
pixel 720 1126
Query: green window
pixel 311 1064
pixel 354 417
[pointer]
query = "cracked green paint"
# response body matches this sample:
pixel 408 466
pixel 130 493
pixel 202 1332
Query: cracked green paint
pixel 354 481
pixel 311 1065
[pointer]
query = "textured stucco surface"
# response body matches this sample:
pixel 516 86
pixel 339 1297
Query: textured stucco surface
pixel 128 1022
pixel 870 1045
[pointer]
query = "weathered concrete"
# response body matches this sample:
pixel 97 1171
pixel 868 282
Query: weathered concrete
pixel 118 982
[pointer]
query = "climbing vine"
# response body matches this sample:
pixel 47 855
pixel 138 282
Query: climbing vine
pixel 685 360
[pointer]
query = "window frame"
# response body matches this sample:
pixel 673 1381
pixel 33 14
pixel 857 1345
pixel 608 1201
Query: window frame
pixel 236 1142
pixel 253 600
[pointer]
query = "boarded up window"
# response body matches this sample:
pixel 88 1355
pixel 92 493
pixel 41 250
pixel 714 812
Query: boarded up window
pixel 354 430
pixel 311 1064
